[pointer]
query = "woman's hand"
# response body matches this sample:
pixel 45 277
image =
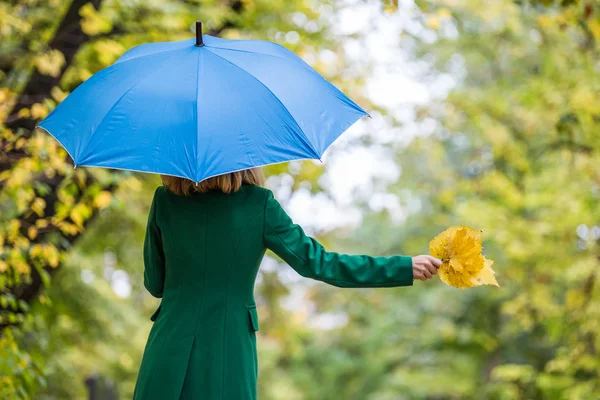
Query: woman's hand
pixel 425 267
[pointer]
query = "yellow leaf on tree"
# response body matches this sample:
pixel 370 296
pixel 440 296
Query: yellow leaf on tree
pixel 84 74
pixel 23 268
pixel 390 6
pixel 41 223
pixel 594 27
pixel 58 94
pixel 76 217
pixel 36 250
pixel 463 265
pixel 21 242
pixel 444 13
pixel 24 113
pixel 545 20
pixel 433 22
pixel 21 142
pixel 108 51
pixel 51 255
pixel 38 206
pixel 50 63
pixel 32 232
pixel 3 95
pixel 67 228
pixel 102 199
pixel 13 230
pixel 79 214
pixel 92 22
pixel 39 110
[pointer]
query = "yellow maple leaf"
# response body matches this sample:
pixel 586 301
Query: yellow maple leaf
pixel 102 199
pixel 463 265
pixel 50 63
pixel 39 110
pixel 93 22
pixel 486 275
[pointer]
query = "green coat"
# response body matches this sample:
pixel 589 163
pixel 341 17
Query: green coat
pixel 201 256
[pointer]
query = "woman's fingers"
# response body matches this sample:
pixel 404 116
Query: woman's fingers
pixel 420 275
pixel 435 261
pixel 427 273
pixel 425 267
pixel 431 268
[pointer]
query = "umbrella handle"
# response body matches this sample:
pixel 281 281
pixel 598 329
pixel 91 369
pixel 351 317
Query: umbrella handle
pixel 199 42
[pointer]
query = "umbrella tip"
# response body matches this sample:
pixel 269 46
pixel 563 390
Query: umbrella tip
pixel 199 42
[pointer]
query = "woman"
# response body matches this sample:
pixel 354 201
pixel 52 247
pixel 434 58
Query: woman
pixel 203 247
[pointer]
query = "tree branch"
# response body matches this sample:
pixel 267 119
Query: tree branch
pixel 68 39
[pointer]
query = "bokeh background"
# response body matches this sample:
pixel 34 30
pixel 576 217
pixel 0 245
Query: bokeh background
pixel 485 113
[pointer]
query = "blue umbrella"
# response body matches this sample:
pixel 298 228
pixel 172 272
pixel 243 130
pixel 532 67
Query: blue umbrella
pixel 201 108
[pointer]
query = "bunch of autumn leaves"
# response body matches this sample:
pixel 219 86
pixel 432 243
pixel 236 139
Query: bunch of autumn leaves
pixel 463 264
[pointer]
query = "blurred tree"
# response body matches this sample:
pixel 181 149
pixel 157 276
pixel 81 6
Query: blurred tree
pixel 515 152
pixel 521 161
pixel 79 326
pixel 51 203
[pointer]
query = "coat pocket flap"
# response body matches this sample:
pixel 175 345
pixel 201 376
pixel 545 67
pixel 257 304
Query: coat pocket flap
pixel 253 314
pixel 153 316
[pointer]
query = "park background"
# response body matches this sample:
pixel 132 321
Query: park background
pixel 485 113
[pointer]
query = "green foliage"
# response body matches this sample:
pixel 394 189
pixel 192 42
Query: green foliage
pixel 19 372
pixel 515 153
pixel 57 329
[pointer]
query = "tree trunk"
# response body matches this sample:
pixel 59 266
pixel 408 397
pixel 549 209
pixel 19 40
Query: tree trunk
pixel 68 39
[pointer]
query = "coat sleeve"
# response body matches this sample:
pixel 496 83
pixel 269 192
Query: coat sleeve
pixel 310 259
pixel 154 259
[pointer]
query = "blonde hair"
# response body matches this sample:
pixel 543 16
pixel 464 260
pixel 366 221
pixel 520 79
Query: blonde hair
pixel 226 183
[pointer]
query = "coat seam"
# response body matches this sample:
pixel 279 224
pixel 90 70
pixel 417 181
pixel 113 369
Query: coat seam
pixel 236 247
pixel 204 277
pixel 299 132
pixel 162 348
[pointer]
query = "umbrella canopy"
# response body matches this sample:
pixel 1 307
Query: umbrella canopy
pixel 201 107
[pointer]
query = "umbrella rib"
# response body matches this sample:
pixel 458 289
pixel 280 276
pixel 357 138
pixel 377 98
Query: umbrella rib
pixel 55 138
pixel 104 118
pixel 144 55
pixel 151 72
pixel 197 125
pixel 303 135
pixel 304 65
